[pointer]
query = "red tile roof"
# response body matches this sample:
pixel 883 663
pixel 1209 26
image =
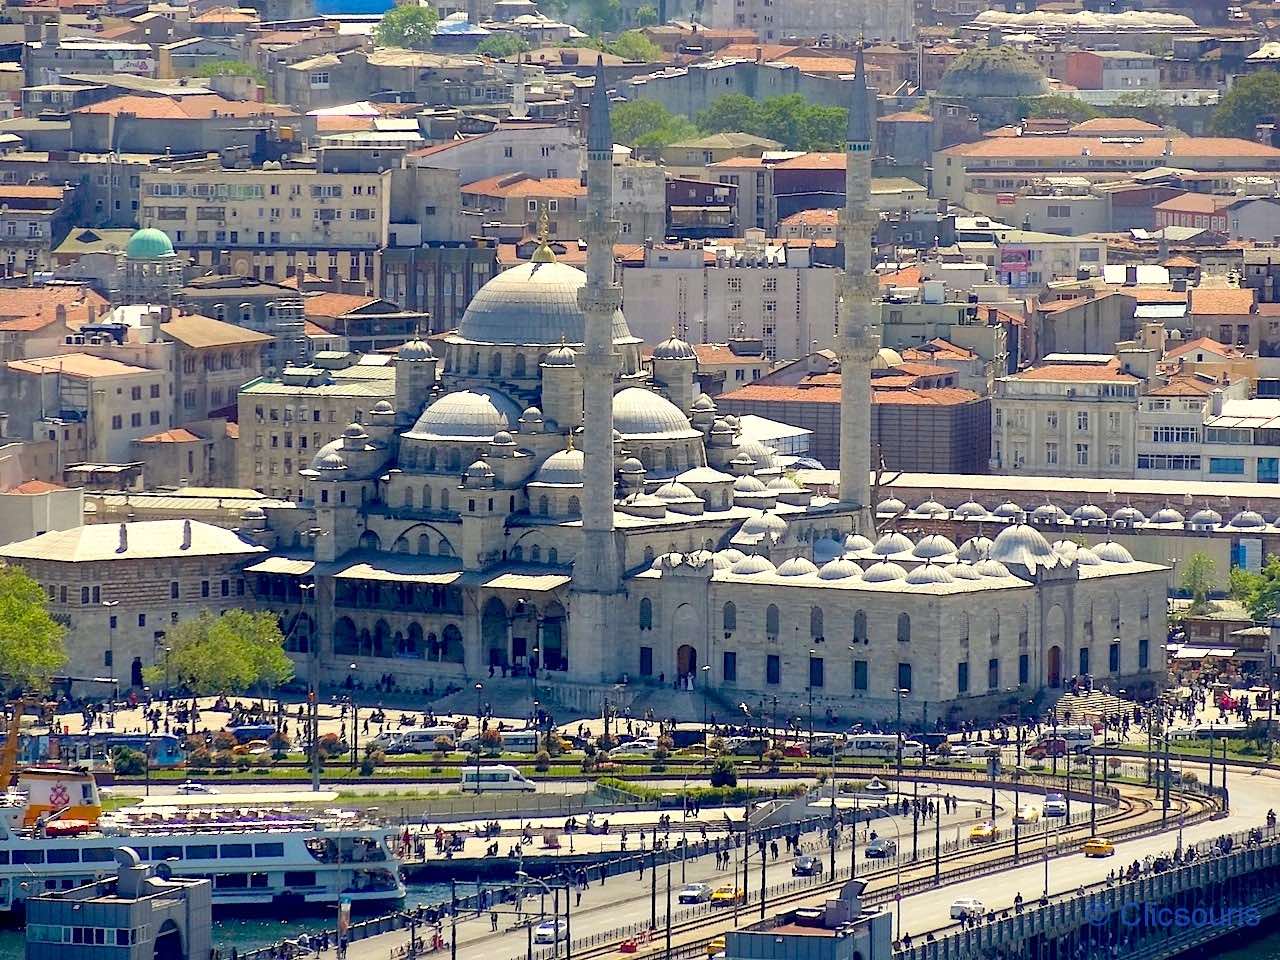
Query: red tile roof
pixel 32 487
pixel 27 301
pixel 194 107
pixel 1193 203
pixel 1201 343
pixel 906 116
pixel 176 435
pixel 516 185
pixel 1221 301
pixel 1105 148
pixel 334 304
pixel 1077 373
pixel 1183 387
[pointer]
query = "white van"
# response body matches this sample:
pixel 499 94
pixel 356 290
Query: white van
pixel 421 740
pixel 882 745
pixel 513 741
pixel 494 777
pixel 1078 738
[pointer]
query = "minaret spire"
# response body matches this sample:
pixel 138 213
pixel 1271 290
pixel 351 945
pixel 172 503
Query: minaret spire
pixel 859 336
pixel 597 569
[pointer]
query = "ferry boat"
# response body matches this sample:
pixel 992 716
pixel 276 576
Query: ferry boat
pixel 273 855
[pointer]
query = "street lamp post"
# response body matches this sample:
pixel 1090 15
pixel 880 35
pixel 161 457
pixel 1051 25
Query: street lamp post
pixel 898 694
pixel 812 656
pixel 355 719
pixel 479 730
pixel 706 678
pixel 835 827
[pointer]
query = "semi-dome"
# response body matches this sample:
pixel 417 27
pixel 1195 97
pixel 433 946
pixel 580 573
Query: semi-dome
pixel 673 348
pixel 1085 557
pixel 885 358
pixel 856 542
pixel 328 460
pixel 928 573
pixel 642 413
pixel 993 569
pixel 890 505
pixel 1248 520
pixel 1112 552
pixel 1007 510
pixel 532 303
pixel 931 508
pixel 415 349
pixel 478 470
pixel 975 548
pixel 731 554
pixel 1025 546
pixel 839 569
pixel 1207 517
pixel 970 508
pixel 563 466
pixel 796 567
pixel 891 543
pixel 1129 514
pixel 382 408
pixel 561 356
pixel 751 565
pixel 1166 514
pixel 149 244
pixel 932 546
pixel 883 572
pixel 475 414
pixel 1088 513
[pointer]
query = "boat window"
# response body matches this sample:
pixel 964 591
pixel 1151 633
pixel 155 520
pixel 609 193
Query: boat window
pixel 226 881
pixel 4 856
pixel 165 853
pixel 300 878
pixel 202 851
pixel 268 849
pixel 57 855
pixel 28 856
pixel 102 854
pixel 259 880
pixel 230 851
pixel 144 853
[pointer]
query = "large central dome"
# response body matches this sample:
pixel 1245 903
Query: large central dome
pixel 533 303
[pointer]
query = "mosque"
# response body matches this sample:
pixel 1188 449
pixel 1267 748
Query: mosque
pixel 538 507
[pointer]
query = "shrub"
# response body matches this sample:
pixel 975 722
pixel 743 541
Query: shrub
pixel 243 762
pixel 606 741
pixel 444 744
pixel 491 740
pixel 128 763
pixel 773 758
pixel 331 745
pixel 542 762
pixel 1189 776
pixel 368 765
pixel 723 774
pixel 223 759
pixel 199 758
pixel 194 742
pixel 222 740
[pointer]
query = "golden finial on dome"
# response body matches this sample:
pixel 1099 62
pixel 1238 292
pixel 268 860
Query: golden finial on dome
pixel 568 445
pixel 544 253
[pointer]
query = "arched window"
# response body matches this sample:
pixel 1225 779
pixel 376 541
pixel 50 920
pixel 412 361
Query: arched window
pixel 408 496
pixel 424 545
pixel 771 619
pixel 444 499
pixel 446 549
pixel 904 628
pixel 575 506
pixel 495 365
pixel 995 627
pixel 519 365
pixel 646 614
pixel 402 545
pixel 542 505
pixel 648 555
pixel 553 555
pixel 815 623
pixel 730 617
pixel 455 460
pixel 426 497
pixel 670 460
pixel 431 459
pixel 860 627
pixel 535 553
pixel 517 553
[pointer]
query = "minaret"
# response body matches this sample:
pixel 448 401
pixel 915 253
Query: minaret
pixel 597 580
pixel 519 107
pixel 859 337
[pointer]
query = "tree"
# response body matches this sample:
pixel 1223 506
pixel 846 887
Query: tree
pixel 723 773
pixel 1058 107
pixel 408 26
pixel 1199 575
pixel 600 16
pixel 501 45
pixel 1253 98
pixel 647 123
pixel 31 649
pixel 128 763
pixel 634 45
pixel 646 16
pixel 230 653
pixel 1259 592
pixel 230 68
pixel 732 113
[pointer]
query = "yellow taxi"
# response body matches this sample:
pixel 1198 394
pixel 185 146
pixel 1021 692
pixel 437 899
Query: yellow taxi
pixel 1098 847
pixel 726 895
pixel 715 945
pixel 983 832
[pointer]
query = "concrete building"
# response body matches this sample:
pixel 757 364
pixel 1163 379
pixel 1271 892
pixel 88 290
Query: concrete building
pixel 1112 70
pixel 198 122
pixel 367 324
pixel 30 506
pixel 892 20
pixel 200 453
pixel 840 930
pixel 212 360
pixel 158 572
pixel 438 279
pixel 264 306
pixel 753 289
pixel 33 221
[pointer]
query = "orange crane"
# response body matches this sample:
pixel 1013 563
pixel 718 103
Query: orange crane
pixel 9 753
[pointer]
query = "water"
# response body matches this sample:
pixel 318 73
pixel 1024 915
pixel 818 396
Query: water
pixel 1266 946
pixel 251 932
pixel 352 7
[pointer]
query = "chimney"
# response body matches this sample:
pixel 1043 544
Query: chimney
pixel 158 317
pixel 186 534
pixel 93 312
pixel 1131 275
pixel 52 31
pixel 124 539
pixel 1215 403
pixel 60 313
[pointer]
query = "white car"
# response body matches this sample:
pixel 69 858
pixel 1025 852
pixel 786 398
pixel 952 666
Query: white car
pixel 549 931
pixel 641 747
pixel 694 893
pixel 191 787
pixel 1055 805
pixel 965 907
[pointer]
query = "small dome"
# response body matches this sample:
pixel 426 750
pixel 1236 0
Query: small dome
pixel 1129 514
pixel 1048 513
pixel 704 403
pixel 891 543
pixel 748 484
pixel 1088 513
pixel 884 572
pixel 382 408
pixel 503 438
pixel 731 422
pixel 561 356
pixel 479 470
pixel 149 244
pixel 993 569
pixel 970 508
pixel 1206 518
pixel 796 567
pixel 674 491
pixel 631 465
pixel 856 542
pixel 328 460
pixel 890 505
pixel 766 457
pixel 1248 520
pixel 784 485
pixel 839 569
pixel 933 546
pixel 1025 546
pixel 974 549
pixel 886 358
pixel 731 554
pixel 751 565
pixel 666 561
pixel 965 571
pixel 673 348
pixel 253 512
pixel 764 523
pixel 642 413
pixel 931 508
pixel 1112 552
pixel 415 349
pixel 562 467
pixel 1085 557
pixel 1065 548
pixel 1166 514
pixel 475 414
pixel 928 573
pixel 720 562
pixel 531 415
pixel 824 549
pixel 1008 510
pixel 354 432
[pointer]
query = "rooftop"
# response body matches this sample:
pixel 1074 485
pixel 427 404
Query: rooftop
pixel 79 365
pixel 197 331
pixel 139 540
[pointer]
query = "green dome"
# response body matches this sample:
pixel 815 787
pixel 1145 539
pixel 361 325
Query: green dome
pixel 148 244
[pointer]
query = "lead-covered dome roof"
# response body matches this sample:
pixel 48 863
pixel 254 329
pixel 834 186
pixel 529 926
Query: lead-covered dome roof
pixel 642 413
pixel 532 303
pixel 476 414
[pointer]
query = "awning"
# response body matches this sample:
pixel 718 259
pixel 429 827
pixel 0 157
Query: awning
pixel 285 565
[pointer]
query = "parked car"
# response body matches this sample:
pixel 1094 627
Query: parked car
pixel 726 895
pixel 640 747
pixel 965 907
pixel 795 750
pixel 1048 748
pixel 1027 813
pixel 881 848
pixel 694 893
pixel 191 787
pixel 983 832
pixel 806 866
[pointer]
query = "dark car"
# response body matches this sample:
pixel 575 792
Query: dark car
pixel 880 848
pixel 806 866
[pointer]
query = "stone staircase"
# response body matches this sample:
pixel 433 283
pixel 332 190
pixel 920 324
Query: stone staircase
pixel 1091 706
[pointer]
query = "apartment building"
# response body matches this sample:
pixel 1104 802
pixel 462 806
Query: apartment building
pixel 259 305
pixel 1170 430
pixel 286 419
pixel 754 289
pixel 33 221
pixel 1071 413
pixel 272 222
pixel 1112 70
pixel 519 199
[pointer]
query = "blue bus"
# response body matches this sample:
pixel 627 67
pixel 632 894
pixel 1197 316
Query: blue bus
pixel 164 749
